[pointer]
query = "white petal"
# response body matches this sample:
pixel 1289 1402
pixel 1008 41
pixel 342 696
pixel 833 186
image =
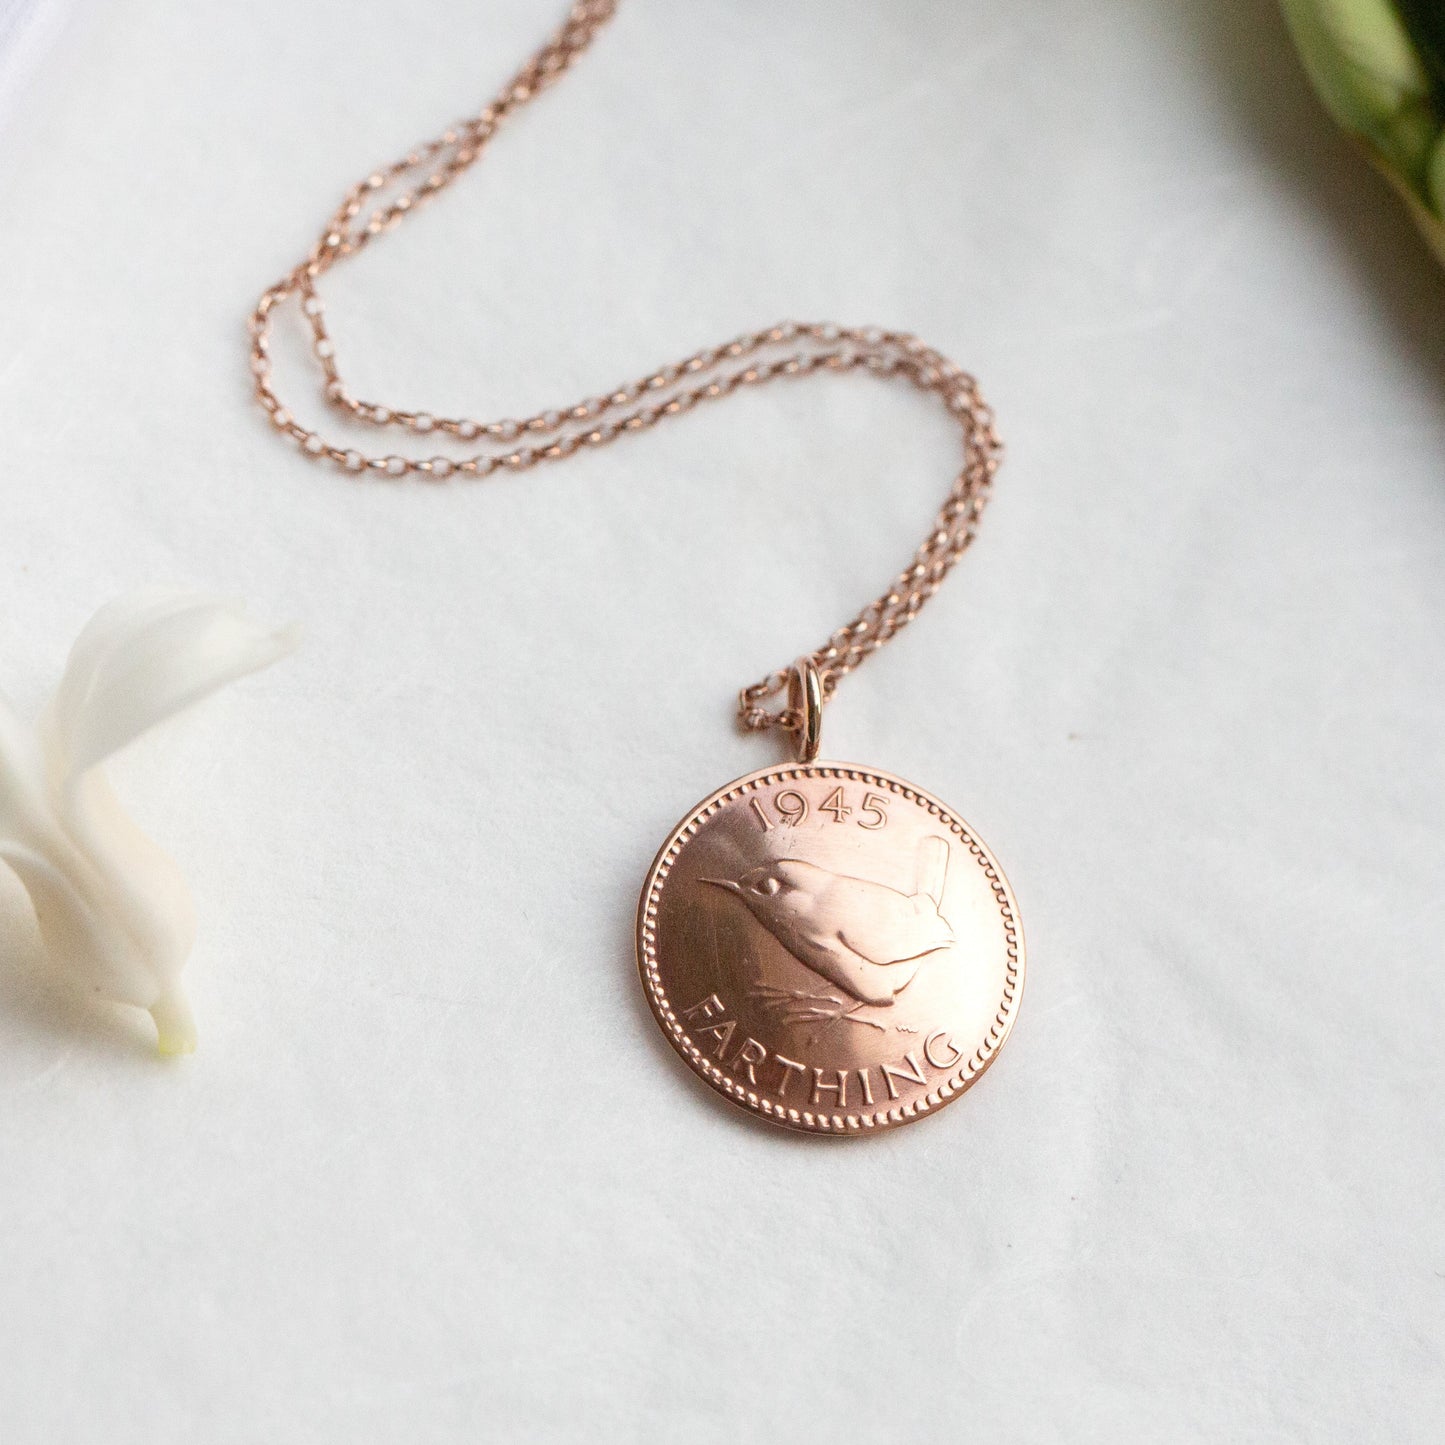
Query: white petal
pixel 145 658
pixel 22 775
pixel 88 947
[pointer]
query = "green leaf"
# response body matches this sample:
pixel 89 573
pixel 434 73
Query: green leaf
pixel 1425 21
pixel 1361 59
pixel 1379 67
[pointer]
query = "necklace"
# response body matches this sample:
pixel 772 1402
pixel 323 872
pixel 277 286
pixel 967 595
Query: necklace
pixel 825 945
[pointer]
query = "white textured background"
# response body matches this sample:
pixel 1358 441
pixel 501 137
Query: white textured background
pixel 433 1174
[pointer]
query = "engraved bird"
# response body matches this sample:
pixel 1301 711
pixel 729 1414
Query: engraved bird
pixel 863 937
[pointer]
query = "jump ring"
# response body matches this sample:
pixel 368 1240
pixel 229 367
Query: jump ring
pixel 805 702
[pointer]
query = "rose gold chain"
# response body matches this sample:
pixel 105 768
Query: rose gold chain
pixel 787 349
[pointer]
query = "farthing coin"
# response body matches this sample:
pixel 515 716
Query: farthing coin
pixel 830 948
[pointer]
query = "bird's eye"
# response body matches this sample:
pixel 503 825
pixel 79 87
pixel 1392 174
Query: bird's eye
pixel 768 886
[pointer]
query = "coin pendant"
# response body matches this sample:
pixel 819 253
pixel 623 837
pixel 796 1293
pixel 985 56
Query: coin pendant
pixel 830 948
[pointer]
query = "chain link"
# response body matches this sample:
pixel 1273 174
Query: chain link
pixel 787 349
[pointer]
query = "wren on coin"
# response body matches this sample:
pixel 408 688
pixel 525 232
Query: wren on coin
pixel 830 948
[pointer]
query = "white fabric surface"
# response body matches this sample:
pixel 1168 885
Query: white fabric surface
pixel 433 1174
pixel 28 28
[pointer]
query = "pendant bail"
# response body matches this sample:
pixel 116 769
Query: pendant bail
pixel 805 702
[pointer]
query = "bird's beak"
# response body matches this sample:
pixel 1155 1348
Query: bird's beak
pixel 722 883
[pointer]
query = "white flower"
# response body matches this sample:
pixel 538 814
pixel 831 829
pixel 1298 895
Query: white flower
pixel 114 912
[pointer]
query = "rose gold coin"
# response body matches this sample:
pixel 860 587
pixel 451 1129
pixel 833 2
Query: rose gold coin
pixel 830 948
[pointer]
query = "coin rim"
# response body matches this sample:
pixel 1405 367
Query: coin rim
pixel 839 1124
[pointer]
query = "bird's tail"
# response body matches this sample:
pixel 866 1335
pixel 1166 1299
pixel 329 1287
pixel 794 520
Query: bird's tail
pixel 932 868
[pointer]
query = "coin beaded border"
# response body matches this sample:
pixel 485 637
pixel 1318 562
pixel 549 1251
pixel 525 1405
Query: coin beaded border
pixel 837 1124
